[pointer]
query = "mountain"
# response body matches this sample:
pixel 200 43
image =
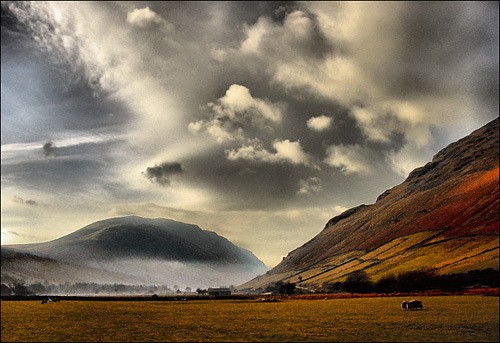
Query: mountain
pixel 136 250
pixel 28 268
pixel 444 216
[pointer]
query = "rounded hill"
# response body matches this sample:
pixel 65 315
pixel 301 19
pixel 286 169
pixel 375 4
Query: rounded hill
pixel 137 237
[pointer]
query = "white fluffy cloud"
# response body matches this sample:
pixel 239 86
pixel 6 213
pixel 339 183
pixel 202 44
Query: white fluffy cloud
pixel 146 18
pixel 220 131
pixel 407 159
pixel 286 151
pixel 235 110
pixel 384 68
pixel 374 127
pixel 238 102
pixel 380 123
pixel 251 152
pixel 267 36
pixel 351 159
pixel 336 76
pixel 291 151
pixel 320 123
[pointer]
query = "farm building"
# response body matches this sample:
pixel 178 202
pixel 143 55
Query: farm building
pixel 219 292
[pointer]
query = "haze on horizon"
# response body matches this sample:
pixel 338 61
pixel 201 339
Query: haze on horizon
pixel 257 120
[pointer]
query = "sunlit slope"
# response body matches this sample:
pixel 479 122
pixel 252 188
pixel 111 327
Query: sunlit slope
pixel 443 216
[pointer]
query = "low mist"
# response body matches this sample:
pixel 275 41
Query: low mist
pixel 182 274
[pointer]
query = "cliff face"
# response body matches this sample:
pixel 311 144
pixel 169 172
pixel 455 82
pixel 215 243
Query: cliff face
pixel 443 216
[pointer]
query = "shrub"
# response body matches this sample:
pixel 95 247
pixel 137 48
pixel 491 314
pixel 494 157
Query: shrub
pixel 358 282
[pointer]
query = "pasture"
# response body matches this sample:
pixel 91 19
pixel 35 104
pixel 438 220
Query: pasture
pixel 444 318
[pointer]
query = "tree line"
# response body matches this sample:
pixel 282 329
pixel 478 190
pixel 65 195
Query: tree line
pixel 356 282
pixel 20 288
pixel 416 281
pixel 411 281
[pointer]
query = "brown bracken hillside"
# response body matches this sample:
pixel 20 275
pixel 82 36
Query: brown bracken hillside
pixel 444 216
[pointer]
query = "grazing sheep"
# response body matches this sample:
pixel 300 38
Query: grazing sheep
pixel 415 305
pixel 45 300
pixel 404 305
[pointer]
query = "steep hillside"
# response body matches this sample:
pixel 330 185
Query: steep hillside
pixel 144 250
pixel 443 216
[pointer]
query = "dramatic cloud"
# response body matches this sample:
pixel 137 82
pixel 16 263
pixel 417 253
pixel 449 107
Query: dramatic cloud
pixel 406 159
pixel 235 110
pixel 310 185
pixel 350 159
pixel 291 151
pixel 383 64
pixel 238 103
pixel 279 111
pixel 145 18
pixel 320 123
pixel 219 129
pixel 298 35
pixel 381 124
pixel 161 174
pixel 286 151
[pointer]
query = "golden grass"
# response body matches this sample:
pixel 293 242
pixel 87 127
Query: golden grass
pixel 397 257
pixel 451 318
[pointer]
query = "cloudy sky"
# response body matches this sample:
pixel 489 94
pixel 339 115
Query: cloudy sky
pixel 257 120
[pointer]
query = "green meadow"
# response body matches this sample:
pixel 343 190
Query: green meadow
pixel 444 318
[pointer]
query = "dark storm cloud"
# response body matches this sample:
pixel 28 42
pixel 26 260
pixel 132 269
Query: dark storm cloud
pixel 10 26
pixel 392 81
pixel 49 149
pixel 242 184
pixel 246 185
pixel 162 174
pixel 442 39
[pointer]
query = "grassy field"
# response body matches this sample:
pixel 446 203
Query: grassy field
pixel 444 318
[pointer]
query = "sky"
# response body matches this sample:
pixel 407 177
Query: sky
pixel 257 120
